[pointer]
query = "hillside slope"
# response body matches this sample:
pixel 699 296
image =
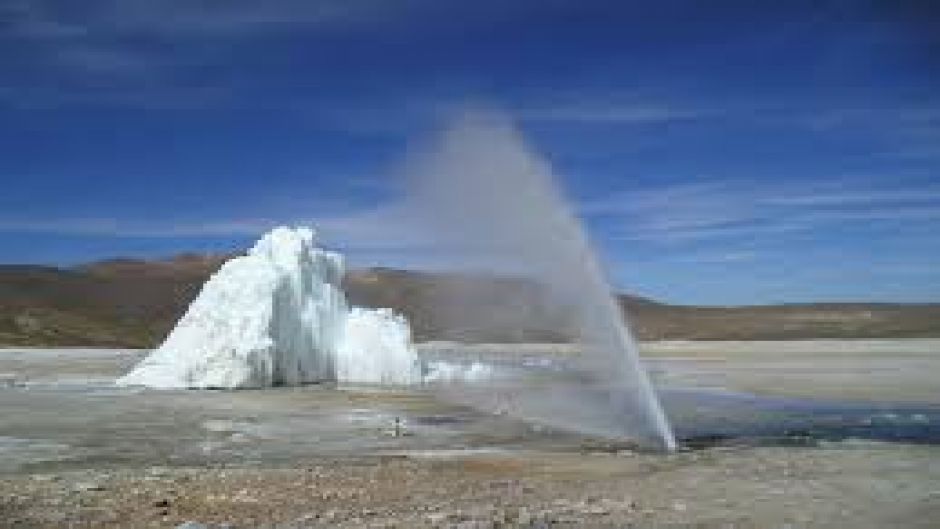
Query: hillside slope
pixel 133 303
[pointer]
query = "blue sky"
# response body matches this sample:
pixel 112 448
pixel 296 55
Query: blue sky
pixel 719 152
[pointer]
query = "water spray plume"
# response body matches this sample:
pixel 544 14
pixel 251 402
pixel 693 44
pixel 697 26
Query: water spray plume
pixel 480 189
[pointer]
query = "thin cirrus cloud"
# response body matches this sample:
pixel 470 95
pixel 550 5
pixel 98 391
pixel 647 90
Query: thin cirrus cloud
pixel 731 209
pixel 387 227
pixel 614 113
pixel 110 227
pixel 57 19
pixel 143 52
pixel 670 214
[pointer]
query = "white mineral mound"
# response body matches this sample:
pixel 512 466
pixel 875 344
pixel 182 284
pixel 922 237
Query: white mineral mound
pixel 278 316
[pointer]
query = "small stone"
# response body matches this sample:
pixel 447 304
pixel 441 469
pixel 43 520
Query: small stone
pixel 89 486
pixel 8 380
pixel 596 510
pixel 474 524
pixel 192 525
pixel 437 518
pixel 158 471
pixel 244 497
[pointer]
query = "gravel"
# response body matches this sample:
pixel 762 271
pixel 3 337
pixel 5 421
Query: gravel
pixel 841 485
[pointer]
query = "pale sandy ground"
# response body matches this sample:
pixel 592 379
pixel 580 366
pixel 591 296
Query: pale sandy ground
pixel 870 370
pixel 305 463
pixel 905 370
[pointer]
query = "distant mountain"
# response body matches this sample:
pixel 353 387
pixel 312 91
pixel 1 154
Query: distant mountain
pixel 134 303
pixel 119 302
pixel 474 308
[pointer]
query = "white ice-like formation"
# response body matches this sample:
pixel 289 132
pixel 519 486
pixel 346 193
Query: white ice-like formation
pixel 372 349
pixel 278 316
pixel 449 372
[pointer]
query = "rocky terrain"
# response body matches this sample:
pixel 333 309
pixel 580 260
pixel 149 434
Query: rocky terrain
pixel 133 303
pixel 77 452
pixel 858 485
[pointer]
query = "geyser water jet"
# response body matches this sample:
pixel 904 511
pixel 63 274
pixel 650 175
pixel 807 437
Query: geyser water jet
pixel 485 195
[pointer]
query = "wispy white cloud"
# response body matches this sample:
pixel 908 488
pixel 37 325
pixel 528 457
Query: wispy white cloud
pixel 384 228
pixel 748 210
pixel 111 227
pixel 720 257
pixel 839 116
pixel 135 51
pixel 920 194
pixel 885 213
pixel 905 129
pixel 744 230
pixel 589 110
pixel 57 19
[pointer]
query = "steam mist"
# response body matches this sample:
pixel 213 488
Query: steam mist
pixel 485 195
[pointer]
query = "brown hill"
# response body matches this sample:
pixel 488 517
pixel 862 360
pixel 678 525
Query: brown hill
pixel 491 309
pixel 134 303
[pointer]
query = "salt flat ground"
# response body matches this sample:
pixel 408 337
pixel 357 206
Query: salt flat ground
pixel 76 451
pixel 873 370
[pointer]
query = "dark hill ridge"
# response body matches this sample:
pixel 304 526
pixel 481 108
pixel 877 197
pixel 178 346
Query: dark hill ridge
pixel 134 303
pixel 119 302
